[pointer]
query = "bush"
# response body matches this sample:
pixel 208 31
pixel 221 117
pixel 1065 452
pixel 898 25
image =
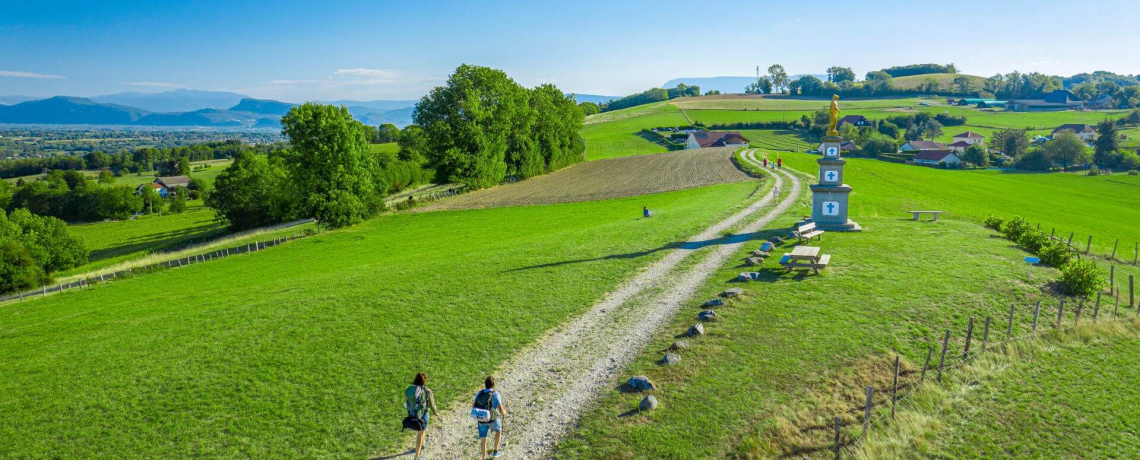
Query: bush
pixel 1033 241
pixel 18 270
pixel 1081 278
pixel 1134 173
pixel 993 222
pixel 1093 171
pixel 1014 228
pixel 1055 254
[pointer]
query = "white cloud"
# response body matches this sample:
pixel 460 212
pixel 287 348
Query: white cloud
pixel 16 74
pixel 154 84
pixel 367 73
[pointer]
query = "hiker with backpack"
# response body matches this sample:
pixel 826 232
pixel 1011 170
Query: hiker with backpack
pixel 488 412
pixel 418 400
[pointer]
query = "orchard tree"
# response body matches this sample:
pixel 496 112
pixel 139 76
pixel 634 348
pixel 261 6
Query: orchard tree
pixel 330 168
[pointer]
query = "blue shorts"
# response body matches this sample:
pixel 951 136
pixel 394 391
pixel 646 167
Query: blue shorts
pixel 495 425
pixel 427 419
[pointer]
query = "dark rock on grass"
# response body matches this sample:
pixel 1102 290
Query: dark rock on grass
pixel 713 303
pixel 648 403
pixel 696 329
pixel 753 261
pixel 640 383
pixel 679 345
pixel 744 277
pixel 707 315
pixel 760 253
pixel 671 359
pixel 732 292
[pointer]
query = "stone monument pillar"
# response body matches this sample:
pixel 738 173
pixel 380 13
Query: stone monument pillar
pixel 830 197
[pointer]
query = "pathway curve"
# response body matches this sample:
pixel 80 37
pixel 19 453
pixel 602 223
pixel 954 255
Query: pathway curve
pixel 548 385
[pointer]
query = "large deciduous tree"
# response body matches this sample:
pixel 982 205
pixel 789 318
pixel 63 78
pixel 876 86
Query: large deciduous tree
pixel 330 166
pixel 778 77
pixel 1066 149
pixel 254 191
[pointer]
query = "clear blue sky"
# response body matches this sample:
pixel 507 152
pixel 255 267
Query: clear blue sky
pixel 393 49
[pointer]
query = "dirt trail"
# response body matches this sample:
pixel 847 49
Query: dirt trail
pixel 548 385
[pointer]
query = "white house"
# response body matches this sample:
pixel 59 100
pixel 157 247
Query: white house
pixel 1087 133
pixel 703 139
pixel 970 138
pixel 936 158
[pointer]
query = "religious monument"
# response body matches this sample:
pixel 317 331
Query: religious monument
pixel 829 198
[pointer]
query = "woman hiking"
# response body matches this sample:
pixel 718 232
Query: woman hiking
pixel 418 400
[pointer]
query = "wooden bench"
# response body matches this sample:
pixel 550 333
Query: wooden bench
pixel 933 213
pixel 808 231
pixel 787 262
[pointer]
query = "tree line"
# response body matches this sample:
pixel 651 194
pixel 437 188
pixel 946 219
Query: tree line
pixel 143 159
pixel 32 248
pixel 648 96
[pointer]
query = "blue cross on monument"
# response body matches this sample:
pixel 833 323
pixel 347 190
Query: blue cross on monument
pixel 830 197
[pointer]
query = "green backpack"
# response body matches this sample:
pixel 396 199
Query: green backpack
pixel 415 401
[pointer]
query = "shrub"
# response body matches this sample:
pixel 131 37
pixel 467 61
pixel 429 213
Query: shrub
pixel 1093 171
pixel 1134 173
pixel 1033 241
pixel 1081 278
pixel 994 222
pixel 1014 228
pixel 1055 254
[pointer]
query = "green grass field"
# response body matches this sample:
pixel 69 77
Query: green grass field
pixel 945 81
pixel 304 350
pixel 797 350
pixel 615 134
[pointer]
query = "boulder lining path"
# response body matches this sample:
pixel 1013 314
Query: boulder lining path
pixel 547 386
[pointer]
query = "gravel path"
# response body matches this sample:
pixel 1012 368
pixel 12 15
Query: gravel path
pixel 548 385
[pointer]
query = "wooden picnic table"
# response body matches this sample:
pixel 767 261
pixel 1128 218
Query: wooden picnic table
pixel 805 257
pixel 805 253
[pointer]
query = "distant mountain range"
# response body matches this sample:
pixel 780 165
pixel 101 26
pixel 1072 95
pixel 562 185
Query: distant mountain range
pixel 727 85
pixel 197 108
pixel 595 98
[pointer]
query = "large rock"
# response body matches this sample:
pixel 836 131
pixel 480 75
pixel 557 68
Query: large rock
pixel 641 383
pixel 679 345
pixel 760 253
pixel 713 303
pixel 732 292
pixel 696 329
pixel 648 403
pixel 671 359
pixel 707 315
pixel 744 276
pixel 753 261
pixel 767 246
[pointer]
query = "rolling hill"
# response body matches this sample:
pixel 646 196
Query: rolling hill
pixel 945 80
pixel 70 110
pixel 179 100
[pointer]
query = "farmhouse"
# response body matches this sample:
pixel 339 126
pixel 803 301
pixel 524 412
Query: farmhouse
pixel 846 146
pixel 164 184
pixel 1087 133
pixel 918 146
pixel 857 121
pixel 970 138
pixel 1060 99
pixel 704 139
pixel 936 158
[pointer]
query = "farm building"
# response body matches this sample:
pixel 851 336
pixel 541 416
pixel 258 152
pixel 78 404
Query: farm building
pixel 704 139
pixel 936 158
pixel 970 138
pixel 858 121
pixel 1060 99
pixel 918 146
pixel 846 146
pixel 164 184
pixel 1087 133
pixel 980 102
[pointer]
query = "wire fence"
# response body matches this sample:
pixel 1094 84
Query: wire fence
pixel 1110 256
pixel 179 262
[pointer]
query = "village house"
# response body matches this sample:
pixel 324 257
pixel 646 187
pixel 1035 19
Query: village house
pixel 705 139
pixel 966 139
pixel 163 184
pixel 1087 133
pixel 918 146
pixel 857 121
pixel 944 158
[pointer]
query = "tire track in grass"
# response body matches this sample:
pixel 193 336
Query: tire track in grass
pixel 547 385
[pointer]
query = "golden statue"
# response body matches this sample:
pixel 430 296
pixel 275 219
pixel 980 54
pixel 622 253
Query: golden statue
pixel 834 115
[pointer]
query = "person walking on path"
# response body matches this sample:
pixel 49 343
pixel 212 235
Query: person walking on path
pixel 418 400
pixel 776 193
pixel 765 162
pixel 780 162
pixel 489 413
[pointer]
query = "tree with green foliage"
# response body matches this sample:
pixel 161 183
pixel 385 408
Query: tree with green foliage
pixel 589 108
pixel 177 203
pixel 117 202
pixel 413 144
pixel 976 155
pixel 778 77
pixel 149 198
pixel 329 165
pixel 1066 149
pixel 18 270
pixel 254 191
pixel 183 166
pixel 197 188
pixel 5 194
pixel 1107 142
pixel 1035 160
pixel 47 239
pixel 930 129
pixel 386 133
pixel 962 84
pixel 106 177
pixel 557 127
pixel 1010 142
pixel 837 74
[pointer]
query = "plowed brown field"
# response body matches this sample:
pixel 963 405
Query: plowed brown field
pixel 611 178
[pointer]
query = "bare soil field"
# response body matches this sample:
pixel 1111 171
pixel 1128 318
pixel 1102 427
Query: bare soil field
pixel 610 178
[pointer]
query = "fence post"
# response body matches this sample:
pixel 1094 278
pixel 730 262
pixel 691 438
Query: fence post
pixel 1009 329
pixel 1053 233
pixel 837 420
pixel 1077 317
pixel 925 365
pixel 1088 246
pixel 45 290
pixel 867 410
pixel 1116 308
pixel 895 387
pixel 969 335
pixel 1114 245
pixel 1070 242
pixel 1036 313
pixel 1060 311
pixel 1096 310
pixel 1131 293
pixel 941 360
pixel 1136 253
pixel 986 335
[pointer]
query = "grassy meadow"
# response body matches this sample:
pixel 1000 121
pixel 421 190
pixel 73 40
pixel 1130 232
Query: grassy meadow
pixel 304 350
pixel 615 134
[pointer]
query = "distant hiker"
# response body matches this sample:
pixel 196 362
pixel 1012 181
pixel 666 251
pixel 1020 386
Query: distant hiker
pixel 765 162
pixel 418 399
pixel 488 412
pixel 776 193
pixel 645 212
pixel 780 162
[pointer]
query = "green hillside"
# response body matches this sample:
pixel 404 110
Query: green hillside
pixel 945 81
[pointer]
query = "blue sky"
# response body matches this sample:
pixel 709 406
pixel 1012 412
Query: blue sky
pixel 394 49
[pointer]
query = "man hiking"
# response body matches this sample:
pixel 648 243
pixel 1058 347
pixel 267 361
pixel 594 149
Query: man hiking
pixel 488 411
pixel 418 400
pixel 780 162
